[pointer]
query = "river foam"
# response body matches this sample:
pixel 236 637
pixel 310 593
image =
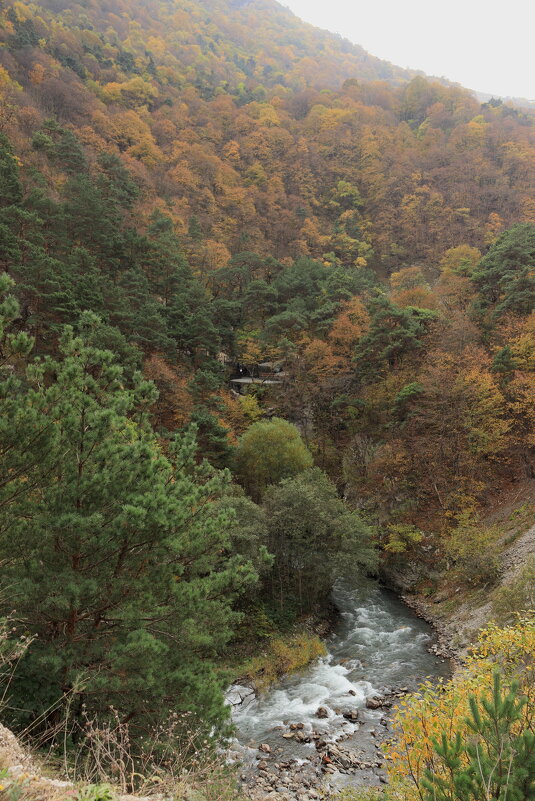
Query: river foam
pixel 379 644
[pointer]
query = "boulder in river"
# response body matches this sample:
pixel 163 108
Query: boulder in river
pixel 265 748
pixel 351 714
pixel 374 702
pixel 322 712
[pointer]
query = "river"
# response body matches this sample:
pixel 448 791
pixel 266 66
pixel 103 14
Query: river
pixel 378 645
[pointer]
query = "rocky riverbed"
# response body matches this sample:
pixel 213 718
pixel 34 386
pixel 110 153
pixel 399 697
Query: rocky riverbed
pixel 324 727
pixel 348 760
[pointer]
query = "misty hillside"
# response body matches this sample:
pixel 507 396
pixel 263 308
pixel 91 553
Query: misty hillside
pixel 246 119
pixel 267 331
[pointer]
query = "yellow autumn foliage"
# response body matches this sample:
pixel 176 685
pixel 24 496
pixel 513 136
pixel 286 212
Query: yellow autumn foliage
pixel 283 655
pixel 442 709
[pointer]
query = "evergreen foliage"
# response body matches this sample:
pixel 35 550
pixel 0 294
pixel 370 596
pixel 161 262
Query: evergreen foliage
pixel 505 277
pixel 115 554
pixel 314 539
pixel 394 333
pixel 493 762
pixel 185 191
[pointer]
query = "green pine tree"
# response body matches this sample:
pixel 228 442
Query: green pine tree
pixel 504 277
pixel 114 553
pixel 494 762
pixel 10 185
pixel 26 438
pixel 394 333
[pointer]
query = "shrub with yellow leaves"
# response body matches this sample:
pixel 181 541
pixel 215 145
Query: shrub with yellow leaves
pixel 422 720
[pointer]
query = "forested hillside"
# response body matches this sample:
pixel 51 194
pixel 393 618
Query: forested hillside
pixel 193 191
pixel 231 179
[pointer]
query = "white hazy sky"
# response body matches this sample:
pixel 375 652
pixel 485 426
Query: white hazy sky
pixel 484 45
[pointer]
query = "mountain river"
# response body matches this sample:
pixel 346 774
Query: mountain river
pixel 378 647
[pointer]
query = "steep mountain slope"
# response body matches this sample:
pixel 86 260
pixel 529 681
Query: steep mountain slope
pixel 191 191
pixel 246 119
pixel 221 177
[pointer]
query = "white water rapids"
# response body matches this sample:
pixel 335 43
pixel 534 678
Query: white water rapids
pixel 379 645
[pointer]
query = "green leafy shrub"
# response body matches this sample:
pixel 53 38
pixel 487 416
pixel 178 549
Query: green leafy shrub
pixel 95 792
pixel 268 452
pixel 283 656
pixel 12 788
pixel 401 537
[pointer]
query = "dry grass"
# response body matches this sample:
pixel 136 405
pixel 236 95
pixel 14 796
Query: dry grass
pixel 282 656
pixel 171 761
pixel 170 764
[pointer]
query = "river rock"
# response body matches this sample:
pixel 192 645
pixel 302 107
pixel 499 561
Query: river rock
pixel 265 748
pixel 322 712
pixel 352 714
pixel 374 702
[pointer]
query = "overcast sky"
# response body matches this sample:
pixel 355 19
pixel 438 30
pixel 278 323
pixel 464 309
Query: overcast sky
pixel 484 45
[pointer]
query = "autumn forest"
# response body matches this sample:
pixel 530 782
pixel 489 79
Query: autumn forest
pixel 267 316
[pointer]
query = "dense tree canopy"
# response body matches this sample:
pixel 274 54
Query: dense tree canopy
pixel 114 553
pixel 505 277
pixel 191 191
pixel 315 539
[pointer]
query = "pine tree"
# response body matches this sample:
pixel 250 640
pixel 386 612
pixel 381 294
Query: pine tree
pixel 496 762
pixel 504 364
pixel 116 558
pixel 165 264
pixel 194 229
pixel 394 333
pixel 10 185
pixel 139 315
pixel 191 324
pixel 26 438
pixel 504 277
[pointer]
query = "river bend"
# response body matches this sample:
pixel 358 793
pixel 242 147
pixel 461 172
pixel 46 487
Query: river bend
pixel 378 645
